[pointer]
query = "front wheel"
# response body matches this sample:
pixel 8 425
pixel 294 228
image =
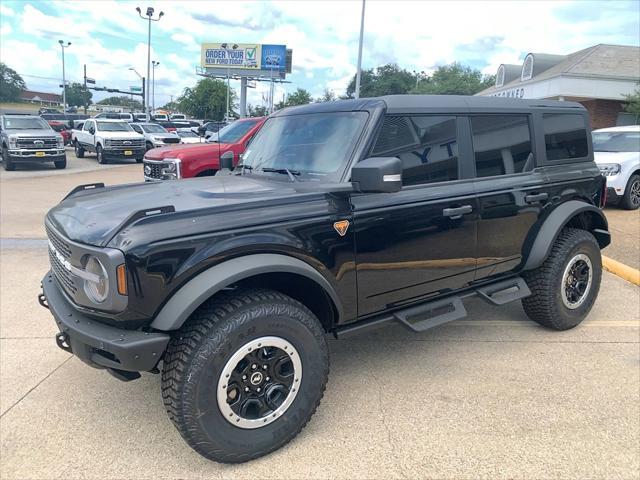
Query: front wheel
pixel 565 286
pixel 631 197
pixel 245 374
pixel 61 164
pixel 100 155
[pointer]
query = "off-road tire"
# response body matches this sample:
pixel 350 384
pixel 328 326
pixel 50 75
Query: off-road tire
pixel 100 155
pixel 545 305
pixel 9 166
pixel 79 151
pixel 630 198
pixel 199 351
pixel 60 165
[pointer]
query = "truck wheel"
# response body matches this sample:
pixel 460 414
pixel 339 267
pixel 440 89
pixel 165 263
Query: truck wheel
pixel 148 146
pixel 61 164
pixel 631 197
pixel 565 286
pixel 8 164
pixel 245 374
pixel 100 155
pixel 78 150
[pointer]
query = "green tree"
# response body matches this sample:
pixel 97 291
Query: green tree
pixel 299 97
pixel 257 111
pixel 633 102
pixel 11 84
pixel 122 101
pixel 454 79
pixel 208 99
pixel 77 95
pixel 327 96
pixel 385 80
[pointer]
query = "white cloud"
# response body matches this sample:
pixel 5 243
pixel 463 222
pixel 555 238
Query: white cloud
pixel 5 29
pixel 6 11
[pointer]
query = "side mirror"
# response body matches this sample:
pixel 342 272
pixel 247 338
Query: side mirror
pixel 226 161
pixel 92 131
pixel 378 174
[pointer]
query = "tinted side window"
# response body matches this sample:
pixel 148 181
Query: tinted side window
pixel 426 145
pixel 502 144
pixel 87 126
pixel 565 136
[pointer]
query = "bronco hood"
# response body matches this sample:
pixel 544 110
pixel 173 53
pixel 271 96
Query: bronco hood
pixel 95 216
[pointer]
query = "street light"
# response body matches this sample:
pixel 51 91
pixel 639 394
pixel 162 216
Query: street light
pixel 64 82
pixel 153 85
pixel 149 15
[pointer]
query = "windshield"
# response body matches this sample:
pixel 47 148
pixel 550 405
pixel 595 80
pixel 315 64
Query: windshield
pixel 114 127
pixel 316 145
pixel 185 133
pixel 616 141
pixel 153 129
pixel 14 123
pixel 234 132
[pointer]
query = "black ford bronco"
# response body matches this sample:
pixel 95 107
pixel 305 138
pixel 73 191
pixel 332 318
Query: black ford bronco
pixel 341 216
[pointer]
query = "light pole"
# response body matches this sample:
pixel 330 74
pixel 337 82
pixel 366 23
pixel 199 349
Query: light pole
pixel 149 15
pixel 419 76
pixel 64 81
pixel 153 85
pixel 359 70
pixel 143 90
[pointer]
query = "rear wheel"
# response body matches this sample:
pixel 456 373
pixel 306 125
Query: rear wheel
pixel 245 374
pixel 631 197
pixel 565 286
pixel 79 151
pixel 100 155
pixel 61 164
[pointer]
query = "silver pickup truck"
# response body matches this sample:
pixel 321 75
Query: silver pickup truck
pixel 28 138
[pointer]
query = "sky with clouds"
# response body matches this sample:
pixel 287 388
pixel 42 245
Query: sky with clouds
pixel 109 37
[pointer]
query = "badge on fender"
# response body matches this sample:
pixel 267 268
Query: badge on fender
pixel 341 227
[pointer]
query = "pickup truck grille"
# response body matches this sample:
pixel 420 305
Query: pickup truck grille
pixel 133 143
pixel 171 140
pixel 153 170
pixel 37 143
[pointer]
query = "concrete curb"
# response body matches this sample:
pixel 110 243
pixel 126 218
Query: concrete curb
pixel 621 270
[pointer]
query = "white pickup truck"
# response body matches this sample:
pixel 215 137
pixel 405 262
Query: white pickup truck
pixel 109 139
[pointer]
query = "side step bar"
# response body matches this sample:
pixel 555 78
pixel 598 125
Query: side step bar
pixel 431 314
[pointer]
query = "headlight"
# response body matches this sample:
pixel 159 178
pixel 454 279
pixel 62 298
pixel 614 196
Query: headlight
pixel 13 141
pixel 107 142
pixel 609 169
pixel 60 141
pixel 170 168
pixel 97 290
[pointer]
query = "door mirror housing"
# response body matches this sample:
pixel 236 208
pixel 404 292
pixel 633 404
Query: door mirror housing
pixel 92 130
pixel 226 160
pixel 377 175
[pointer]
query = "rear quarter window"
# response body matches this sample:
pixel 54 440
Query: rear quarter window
pixel 565 136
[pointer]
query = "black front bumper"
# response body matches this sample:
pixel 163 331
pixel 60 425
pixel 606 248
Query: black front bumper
pixel 612 197
pixel 118 154
pixel 97 344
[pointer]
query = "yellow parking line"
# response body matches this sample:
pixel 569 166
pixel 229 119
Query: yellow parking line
pixel 621 270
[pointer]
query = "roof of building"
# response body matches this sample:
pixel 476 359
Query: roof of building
pixel 600 61
pixel 46 97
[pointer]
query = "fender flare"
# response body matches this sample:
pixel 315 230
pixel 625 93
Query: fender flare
pixel 197 290
pixel 555 222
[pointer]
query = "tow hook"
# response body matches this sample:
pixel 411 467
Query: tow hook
pixel 42 300
pixel 62 339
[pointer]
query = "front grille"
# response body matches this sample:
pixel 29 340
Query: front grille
pixel 36 143
pixel 62 274
pixel 171 140
pixel 153 170
pixel 126 143
pixel 59 244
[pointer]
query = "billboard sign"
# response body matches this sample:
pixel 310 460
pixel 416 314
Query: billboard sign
pixel 245 56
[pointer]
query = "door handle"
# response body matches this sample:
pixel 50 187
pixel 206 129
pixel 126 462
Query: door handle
pixel 457 212
pixel 536 197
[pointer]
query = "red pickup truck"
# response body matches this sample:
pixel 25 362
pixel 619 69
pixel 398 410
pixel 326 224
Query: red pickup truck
pixel 200 160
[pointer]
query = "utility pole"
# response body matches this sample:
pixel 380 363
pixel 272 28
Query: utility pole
pixel 359 68
pixel 143 101
pixel 228 91
pixel 85 89
pixel 153 85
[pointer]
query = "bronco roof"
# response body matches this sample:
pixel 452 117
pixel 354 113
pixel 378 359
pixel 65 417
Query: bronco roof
pixel 426 103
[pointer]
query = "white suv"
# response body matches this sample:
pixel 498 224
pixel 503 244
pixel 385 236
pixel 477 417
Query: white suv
pixel 617 153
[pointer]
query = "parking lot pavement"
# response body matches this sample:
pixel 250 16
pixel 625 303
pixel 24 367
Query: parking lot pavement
pixel 492 396
pixel 625 236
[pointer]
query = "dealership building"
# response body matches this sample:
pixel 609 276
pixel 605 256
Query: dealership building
pixel 598 77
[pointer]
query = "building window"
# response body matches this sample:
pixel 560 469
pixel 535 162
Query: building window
pixel 502 145
pixel 500 76
pixel 565 136
pixel 427 146
pixel 527 68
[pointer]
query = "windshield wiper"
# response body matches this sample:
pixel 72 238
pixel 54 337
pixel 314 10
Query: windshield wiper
pixel 283 171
